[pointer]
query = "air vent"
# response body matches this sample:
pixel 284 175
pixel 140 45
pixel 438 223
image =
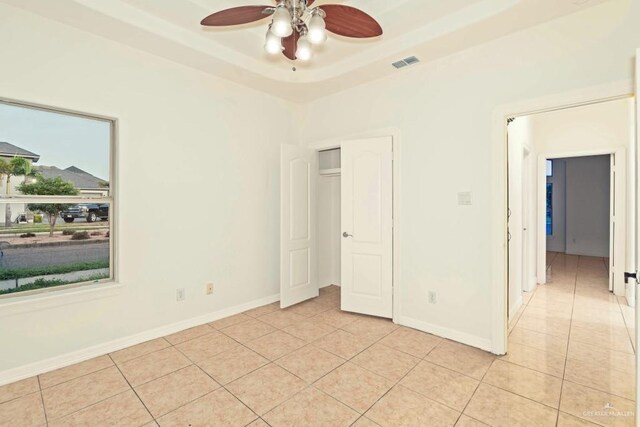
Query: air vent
pixel 406 62
pixel 411 60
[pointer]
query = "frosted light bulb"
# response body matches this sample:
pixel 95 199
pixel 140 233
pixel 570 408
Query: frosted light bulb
pixel 273 44
pixel 317 32
pixel 281 26
pixel 304 51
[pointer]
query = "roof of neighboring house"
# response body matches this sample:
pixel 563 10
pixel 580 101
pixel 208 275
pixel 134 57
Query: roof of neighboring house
pixel 79 178
pixel 10 150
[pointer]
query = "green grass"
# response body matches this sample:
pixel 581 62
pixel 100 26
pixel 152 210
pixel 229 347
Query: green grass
pixel 21 273
pixel 41 228
pixel 45 283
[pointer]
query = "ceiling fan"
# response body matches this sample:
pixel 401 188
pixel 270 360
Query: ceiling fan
pixel 296 26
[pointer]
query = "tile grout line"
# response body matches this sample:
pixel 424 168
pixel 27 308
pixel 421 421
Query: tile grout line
pixel 93 403
pixel 90 405
pixel 571 324
pixel 222 386
pixel 134 391
pixel 564 369
pixel 473 395
pixel 397 383
pixel 44 408
pixel 74 378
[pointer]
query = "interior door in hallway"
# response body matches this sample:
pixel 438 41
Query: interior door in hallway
pixel 367 225
pixel 298 278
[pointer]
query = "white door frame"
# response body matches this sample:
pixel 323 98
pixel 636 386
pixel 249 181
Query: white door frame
pixel 527 284
pixel 499 246
pixel 394 133
pixel 541 178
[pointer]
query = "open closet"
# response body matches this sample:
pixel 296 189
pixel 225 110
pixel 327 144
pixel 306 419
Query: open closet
pixel 337 224
pixel 328 208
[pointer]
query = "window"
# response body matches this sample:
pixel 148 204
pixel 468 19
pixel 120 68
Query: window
pixel 56 199
pixel 549 168
pixel 549 208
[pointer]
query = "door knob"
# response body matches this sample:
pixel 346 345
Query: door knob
pixel 345 234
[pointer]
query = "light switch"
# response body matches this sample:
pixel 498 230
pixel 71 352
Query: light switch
pixel 464 198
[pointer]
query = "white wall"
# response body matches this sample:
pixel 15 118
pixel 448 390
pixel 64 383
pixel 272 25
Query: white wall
pixel 581 205
pixel 557 242
pixel 588 206
pixel 183 141
pixel 590 127
pixel 443 111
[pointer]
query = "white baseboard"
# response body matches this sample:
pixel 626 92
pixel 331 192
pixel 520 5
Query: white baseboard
pixel 464 338
pixel 330 284
pixel 513 310
pixel 630 294
pixel 56 362
pixel 532 285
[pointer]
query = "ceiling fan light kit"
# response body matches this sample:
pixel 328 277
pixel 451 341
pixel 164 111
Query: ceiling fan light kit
pixel 295 27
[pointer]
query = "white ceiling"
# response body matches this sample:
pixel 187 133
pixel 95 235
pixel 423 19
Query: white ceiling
pixel 427 28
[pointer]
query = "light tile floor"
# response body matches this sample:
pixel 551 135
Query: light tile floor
pixel 572 346
pixel 570 354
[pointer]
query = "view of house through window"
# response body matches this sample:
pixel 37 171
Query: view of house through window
pixel 55 199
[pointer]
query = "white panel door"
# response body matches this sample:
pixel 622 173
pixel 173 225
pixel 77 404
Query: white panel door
pixel 367 225
pixel 298 171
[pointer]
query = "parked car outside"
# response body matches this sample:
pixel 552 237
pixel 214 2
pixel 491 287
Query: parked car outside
pixel 90 212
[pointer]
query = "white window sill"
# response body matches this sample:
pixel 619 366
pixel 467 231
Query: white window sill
pixel 58 298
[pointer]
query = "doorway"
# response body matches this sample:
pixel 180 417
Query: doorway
pixel 579 168
pixel 576 325
pixel 337 223
pixel 580 210
pixel 589 138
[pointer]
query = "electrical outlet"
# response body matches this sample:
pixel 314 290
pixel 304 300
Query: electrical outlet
pixel 433 297
pixel 180 294
pixel 209 288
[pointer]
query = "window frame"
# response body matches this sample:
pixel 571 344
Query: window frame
pixel 111 200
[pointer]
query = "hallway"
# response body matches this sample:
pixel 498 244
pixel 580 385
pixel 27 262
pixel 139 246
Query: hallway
pixel 575 329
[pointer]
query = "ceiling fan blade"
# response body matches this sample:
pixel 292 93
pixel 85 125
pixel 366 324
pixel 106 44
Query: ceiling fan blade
pixel 236 16
pixel 290 45
pixel 350 22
